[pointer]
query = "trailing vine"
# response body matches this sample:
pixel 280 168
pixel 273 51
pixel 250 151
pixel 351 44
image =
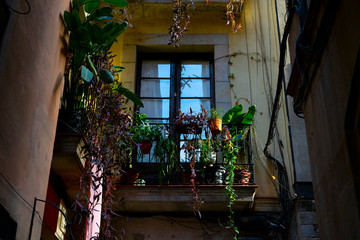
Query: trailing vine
pixel 233 10
pixel 108 144
pixel 180 20
pixel 190 123
pixel 230 152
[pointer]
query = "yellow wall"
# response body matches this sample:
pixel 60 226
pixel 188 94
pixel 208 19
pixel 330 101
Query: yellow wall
pixel 254 65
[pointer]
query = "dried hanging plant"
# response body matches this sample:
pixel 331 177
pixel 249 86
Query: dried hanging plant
pixel 233 10
pixel 180 20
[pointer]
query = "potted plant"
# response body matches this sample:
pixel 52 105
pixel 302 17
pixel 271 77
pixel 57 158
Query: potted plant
pixel 144 133
pixel 91 36
pixel 166 151
pixel 190 122
pixel 237 121
pixel 215 121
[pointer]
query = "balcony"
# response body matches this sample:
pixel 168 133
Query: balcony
pixel 147 184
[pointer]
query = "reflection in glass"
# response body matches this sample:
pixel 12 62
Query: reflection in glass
pixel 195 88
pixel 155 69
pixel 155 88
pixel 194 104
pixel 156 108
pixel 195 69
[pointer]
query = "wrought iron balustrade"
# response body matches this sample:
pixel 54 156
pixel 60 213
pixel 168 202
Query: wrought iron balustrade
pixel 147 169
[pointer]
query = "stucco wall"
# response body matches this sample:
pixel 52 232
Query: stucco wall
pixel 31 72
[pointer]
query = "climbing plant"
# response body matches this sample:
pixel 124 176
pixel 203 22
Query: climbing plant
pixel 93 85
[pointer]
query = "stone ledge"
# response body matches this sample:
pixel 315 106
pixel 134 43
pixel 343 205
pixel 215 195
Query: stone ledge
pixel 179 198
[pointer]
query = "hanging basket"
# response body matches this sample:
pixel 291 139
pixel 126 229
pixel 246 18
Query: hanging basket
pixel 215 125
pixel 145 147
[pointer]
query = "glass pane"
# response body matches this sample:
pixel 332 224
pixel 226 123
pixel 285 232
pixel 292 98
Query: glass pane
pixel 156 108
pixel 194 104
pixel 155 88
pixel 186 156
pixel 146 158
pixel 195 88
pixel 155 69
pixel 195 69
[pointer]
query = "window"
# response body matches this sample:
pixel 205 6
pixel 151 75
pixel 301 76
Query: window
pixel 170 82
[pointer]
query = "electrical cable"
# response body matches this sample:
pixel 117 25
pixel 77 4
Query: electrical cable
pixel 13 188
pixel 276 105
pixel 15 11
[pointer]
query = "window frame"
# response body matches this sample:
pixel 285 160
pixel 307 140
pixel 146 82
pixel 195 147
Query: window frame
pixel 175 77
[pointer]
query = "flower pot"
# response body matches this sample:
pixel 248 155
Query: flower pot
pixel 145 147
pixel 215 125
pixel 242 176
pixel 188 129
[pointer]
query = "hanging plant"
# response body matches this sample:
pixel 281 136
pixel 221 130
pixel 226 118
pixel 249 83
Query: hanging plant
pixel 108 140
pixel 230 152
pixel 180 20
pixel 92 84
pixel 233 10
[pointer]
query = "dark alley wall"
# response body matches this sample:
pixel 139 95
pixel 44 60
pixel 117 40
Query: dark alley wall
pixel 31 72
pixel 326 110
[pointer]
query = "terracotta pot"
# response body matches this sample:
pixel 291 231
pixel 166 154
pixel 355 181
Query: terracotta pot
pixel 242 176
pixel 215 125
pixel 145 147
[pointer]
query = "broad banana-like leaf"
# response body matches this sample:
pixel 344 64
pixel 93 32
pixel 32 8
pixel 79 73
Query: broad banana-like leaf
pixel 86 74
pixel 117 3
pixel 231 115
pixel 249 116
pixel 100 13
pixel 106 76
pixel 72 20
pixel 91 5
pixel 130 95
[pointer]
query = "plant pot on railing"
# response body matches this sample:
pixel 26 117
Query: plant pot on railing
pixel 215 125
pixel 242 176
pixel 187 128
pixel 145 147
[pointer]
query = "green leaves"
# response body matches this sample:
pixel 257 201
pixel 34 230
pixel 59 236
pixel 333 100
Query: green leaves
pixel 249 116
pixel 106 76
pixel 73 21
pixel 100 14
pixel 232 114
pixel 235 116
pixel 130 95
pixel 117 3
pixel 86 74
pixel 92 5
pixel 112 31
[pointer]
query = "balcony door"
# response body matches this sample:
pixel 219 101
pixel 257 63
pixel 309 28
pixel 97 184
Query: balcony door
pixel 169 82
